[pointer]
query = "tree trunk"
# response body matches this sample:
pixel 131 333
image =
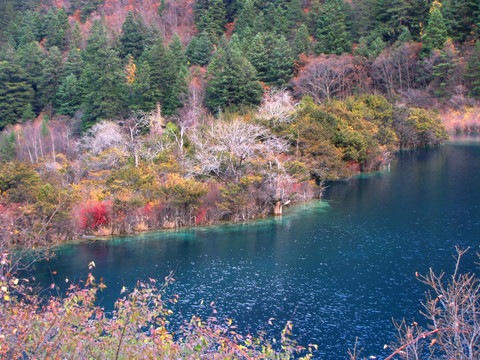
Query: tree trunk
pixel 278 208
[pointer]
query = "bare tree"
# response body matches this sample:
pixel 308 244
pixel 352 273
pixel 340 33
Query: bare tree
pixel 396 69
pixel 326 76
pixel 452 308
pixel 104 144
pixel 225 148
pixel 278 107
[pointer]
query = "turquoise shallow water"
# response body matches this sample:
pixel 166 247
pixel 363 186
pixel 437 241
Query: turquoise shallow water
pixel 340 268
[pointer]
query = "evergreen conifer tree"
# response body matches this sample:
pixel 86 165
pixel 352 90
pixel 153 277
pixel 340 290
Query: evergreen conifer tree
pixel 103 78
pixel 246 18
pixel 165 75
pixel 68 96
pixel 473 71
pixel 200 49
pixel 259 57
pixel 436 32
pixel 144 95
pixel 281 63
pixel 77 37
pixel 31 59
pixel 332 34
pixel 404 37
pixel 301 42
pixel 232 81
pixel 16 94
pixel 131 40
pixel 51 75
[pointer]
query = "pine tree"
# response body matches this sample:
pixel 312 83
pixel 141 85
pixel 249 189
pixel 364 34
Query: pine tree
pixel 218 16
pixel 165 77
pixel 376 47
pixel 260 24
pixel 417 13
pixel 200 49
pixel 131 40
pixel 16 94
pixel 246 18
pixel 281 63
pixel 259 56
pixel 362 47
pixel 32 60
pixel 460 17
pixel 295 14
pixel 77 37
pixel 301 43
pixel 232 81
pixel 103 78
pixel 436 32
pixel 68 96
pixel 7 14
pixel 473 71
pixel 442 72
pixel 62 28
pixel 144 95
pixel 278 19
pixel 404 37
pixel 74 63
pixel 51 74
pixel 176 48
pixel 332 34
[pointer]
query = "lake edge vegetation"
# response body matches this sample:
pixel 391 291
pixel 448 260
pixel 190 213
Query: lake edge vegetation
pixel 116 121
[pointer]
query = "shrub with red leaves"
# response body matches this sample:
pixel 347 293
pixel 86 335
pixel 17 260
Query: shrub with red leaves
pixel 94 216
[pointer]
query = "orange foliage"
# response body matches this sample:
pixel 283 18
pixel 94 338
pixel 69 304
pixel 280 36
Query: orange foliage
pixel 229 29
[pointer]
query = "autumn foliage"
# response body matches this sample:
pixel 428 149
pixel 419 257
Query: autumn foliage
pixel 75 326
pixel 94 216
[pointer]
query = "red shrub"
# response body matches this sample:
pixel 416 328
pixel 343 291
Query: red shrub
pixel 95 215
pixel 200 216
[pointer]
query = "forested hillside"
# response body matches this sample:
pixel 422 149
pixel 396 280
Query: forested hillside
pixel 119 116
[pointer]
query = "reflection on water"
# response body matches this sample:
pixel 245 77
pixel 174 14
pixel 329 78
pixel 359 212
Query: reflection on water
pixel 339 268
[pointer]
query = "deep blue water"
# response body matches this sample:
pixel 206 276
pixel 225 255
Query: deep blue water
pixel 340 268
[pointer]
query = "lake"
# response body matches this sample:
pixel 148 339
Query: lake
pixel 339 268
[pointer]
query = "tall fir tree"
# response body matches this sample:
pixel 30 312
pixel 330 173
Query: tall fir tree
pixel 131 40
pixel 301 43
pixel 144 95
pixel 295 14
pixel 16 94
pixel 232 80
pixel 460 17
pixel 435 33
pixel 103 78
pixel 51 76
pixel 200 49
pixel 68 96
pixel 245 19
pixel 165 77
pixel 332 34
pixel 32 60
pixel 259 56
pixel 473 71
pixel 281 63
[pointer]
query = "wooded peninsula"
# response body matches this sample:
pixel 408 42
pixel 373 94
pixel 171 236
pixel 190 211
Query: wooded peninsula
pixel 117 119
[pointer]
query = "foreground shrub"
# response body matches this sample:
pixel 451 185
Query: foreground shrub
pixel 75 327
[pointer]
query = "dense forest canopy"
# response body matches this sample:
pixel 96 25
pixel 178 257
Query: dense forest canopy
pixel 65 57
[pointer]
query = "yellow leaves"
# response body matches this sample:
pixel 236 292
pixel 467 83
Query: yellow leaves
pixel 130 71
pixel 6 298
pixel 123 290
